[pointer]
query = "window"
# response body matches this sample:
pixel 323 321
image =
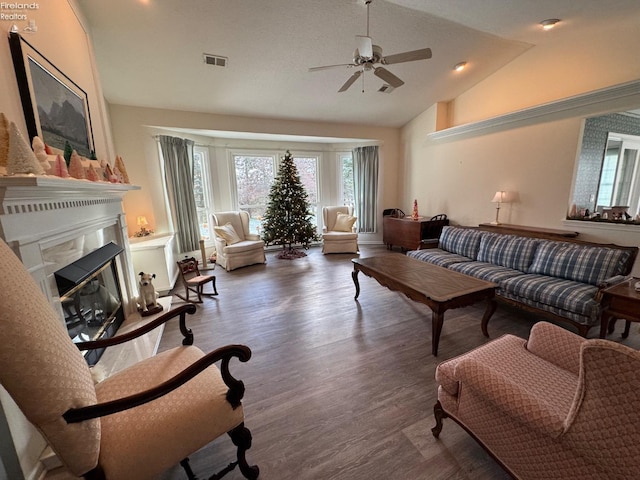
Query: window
pixel 254 175
pixel 308 170
pixel 346 178
pixel 201 190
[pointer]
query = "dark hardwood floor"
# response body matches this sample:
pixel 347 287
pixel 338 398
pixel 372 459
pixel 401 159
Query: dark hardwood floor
pixel 339 389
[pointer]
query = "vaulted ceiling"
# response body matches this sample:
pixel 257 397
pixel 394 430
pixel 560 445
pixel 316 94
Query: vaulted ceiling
pixel 150 52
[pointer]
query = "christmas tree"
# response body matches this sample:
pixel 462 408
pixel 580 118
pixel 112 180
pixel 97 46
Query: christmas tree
pixel 287 220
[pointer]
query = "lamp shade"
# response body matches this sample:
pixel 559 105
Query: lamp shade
pixel 500 197
pixel 142 221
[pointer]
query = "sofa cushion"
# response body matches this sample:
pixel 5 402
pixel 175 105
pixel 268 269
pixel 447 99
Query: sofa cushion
pixel 581 263
pixel 508 251
pixel 567 295
pixel 485 271
pixel 462 241
pixel 437 257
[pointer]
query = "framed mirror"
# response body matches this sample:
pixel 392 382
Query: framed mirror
pixel 607 182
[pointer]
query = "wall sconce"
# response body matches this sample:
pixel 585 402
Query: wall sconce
pixel 501 197
pixel 143 224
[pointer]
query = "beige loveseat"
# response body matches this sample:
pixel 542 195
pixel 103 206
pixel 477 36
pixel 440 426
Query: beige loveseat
pixel 554 407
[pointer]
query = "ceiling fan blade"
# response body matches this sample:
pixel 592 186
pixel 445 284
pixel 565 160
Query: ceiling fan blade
pixel 327 67
pixel 422 54
pixel 349 82
pixel 365 46
pixel 388 77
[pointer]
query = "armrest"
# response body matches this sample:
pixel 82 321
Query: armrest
pixel 182 310
pixel 234 394
pixel 428 243
pixel 510 398
pixel 252 236
pixel 556 345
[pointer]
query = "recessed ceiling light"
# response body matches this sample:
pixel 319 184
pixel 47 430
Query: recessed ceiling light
pixel 458 67
pixel 549 23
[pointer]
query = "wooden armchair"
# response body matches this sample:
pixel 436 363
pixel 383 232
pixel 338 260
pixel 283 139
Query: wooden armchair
pixel 135 423
pixel 193 280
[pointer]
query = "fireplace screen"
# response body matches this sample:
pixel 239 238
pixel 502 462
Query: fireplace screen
pixel 91 298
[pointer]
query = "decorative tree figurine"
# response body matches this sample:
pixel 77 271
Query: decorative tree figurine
pixel 287 220
pixel 60 167
pixel 21 157
pixel 68 150
pixel 76 169
pixel 415 214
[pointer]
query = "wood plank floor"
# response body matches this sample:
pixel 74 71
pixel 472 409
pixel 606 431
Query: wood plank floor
pixel 339 389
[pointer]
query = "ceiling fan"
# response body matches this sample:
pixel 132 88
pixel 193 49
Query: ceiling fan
pixel 367 56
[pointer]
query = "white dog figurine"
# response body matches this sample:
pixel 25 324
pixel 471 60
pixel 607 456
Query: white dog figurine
pixel 148 295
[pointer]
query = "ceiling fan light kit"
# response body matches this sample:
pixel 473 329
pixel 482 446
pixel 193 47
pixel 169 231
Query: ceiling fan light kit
pixel 367 56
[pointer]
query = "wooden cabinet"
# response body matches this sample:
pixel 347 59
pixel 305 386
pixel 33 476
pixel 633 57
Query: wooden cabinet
pixel 156 254
pixel 407 233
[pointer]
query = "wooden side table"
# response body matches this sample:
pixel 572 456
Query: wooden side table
pixel 620 301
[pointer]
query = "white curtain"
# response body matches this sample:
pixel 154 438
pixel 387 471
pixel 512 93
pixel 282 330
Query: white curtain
pixel 178 162
pixel 365 187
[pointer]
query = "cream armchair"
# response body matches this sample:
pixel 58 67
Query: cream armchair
pixel 134 424
pixel 338 231
pixel 235 246
pixel 557 406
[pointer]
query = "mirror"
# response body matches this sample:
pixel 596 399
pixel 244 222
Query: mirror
pixel 607 184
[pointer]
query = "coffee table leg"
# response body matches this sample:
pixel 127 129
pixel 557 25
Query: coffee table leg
pixel 354 275
pixel 437 319
pixel 491 308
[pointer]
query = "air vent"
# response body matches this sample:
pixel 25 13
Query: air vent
pixel 386 88
pixel 215 60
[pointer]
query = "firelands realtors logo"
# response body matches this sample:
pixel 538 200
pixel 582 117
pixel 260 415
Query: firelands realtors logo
pixel 16 11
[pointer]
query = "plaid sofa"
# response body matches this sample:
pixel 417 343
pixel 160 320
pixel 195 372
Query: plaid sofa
pixel 553 407
pixel 561 278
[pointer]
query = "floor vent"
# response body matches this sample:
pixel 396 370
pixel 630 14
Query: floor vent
pixel 215 60
pixel 386 88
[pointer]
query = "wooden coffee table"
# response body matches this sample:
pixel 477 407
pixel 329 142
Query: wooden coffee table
pixel 438 288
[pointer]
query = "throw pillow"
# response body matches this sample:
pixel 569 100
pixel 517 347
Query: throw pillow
pixel 228 233
pixel 344 222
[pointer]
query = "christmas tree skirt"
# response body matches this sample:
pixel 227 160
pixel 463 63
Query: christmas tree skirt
pixel 290 254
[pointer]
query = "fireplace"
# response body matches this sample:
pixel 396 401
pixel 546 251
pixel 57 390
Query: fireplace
pixel 91 297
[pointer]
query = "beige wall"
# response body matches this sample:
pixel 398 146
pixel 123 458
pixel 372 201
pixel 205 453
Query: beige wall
pixel 133 132
pixel 459 175
pixel 62 39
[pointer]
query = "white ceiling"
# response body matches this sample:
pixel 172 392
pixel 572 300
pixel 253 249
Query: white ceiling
pixel 150 52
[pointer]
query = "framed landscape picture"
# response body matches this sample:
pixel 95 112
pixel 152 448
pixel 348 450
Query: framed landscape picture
pixel 55 107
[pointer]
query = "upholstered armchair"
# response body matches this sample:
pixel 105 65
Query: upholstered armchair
pixel 557 406
pixel 339 235
pixel 137 422
pixel 235 246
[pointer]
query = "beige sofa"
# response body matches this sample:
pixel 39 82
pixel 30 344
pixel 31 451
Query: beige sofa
pixel 554 407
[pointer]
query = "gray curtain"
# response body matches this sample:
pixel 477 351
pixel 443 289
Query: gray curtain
pixel 365 187
pixel 178 163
